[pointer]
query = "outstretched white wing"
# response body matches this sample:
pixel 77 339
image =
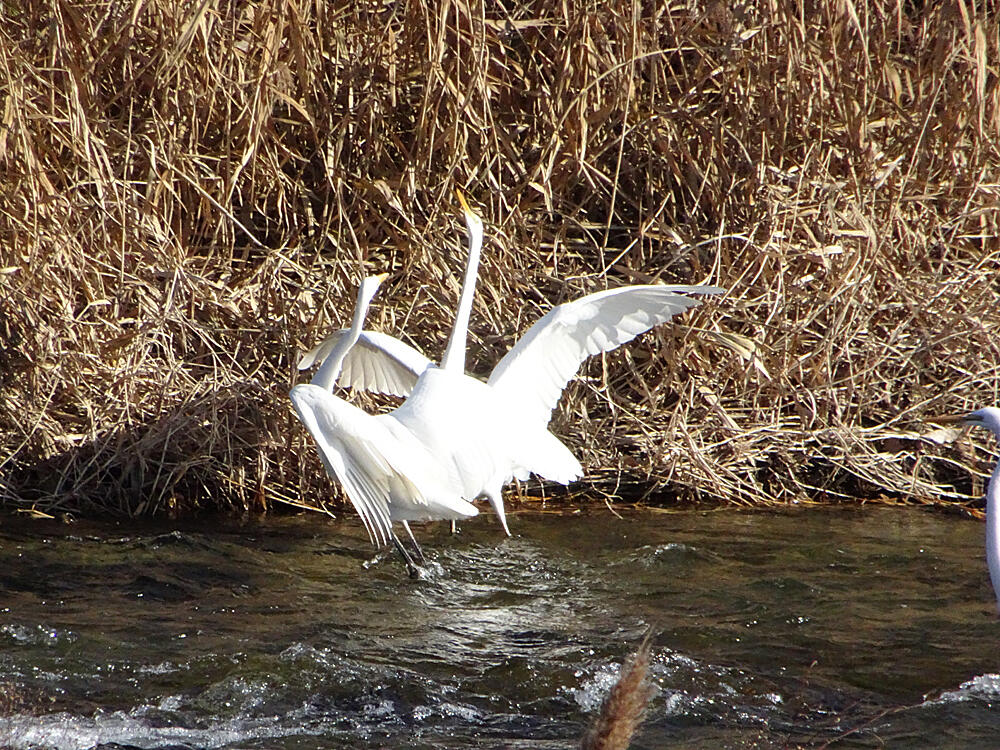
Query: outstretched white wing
pixel 377 362
pixel 381 473
pixel 534 373
pixel 350 453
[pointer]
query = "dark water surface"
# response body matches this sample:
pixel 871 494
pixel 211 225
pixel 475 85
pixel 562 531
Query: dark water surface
pixel 859 629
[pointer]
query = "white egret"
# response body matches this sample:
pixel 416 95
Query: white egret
pixel 990 419
pixel 387 473
pixel 486 434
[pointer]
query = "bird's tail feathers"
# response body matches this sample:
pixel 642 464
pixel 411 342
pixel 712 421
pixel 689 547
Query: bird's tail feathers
pixel 549 458
pixel 496 500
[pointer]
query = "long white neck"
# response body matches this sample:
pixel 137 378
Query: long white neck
pixel 454 354
pixel 993 532
pixel 329 371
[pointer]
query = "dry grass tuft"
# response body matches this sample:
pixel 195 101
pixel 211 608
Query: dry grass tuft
pixel 192 189
pixel 623 709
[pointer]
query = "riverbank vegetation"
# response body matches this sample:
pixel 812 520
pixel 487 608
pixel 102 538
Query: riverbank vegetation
pixel 193 189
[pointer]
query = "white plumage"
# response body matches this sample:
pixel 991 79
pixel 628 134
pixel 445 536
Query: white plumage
pixel 535 372
pixel 989 418
pixel 377 362
pixel 486 434
pixel 388 474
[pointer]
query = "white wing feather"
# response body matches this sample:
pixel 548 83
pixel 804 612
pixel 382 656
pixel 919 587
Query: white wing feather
pixel 383 475
pixel 349 452
pixel 534 373
pixel 377 362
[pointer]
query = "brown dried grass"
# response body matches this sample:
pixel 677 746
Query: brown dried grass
pixel 626 703
pixel 192 189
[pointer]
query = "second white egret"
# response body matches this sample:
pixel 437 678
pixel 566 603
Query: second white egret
pixel 385 470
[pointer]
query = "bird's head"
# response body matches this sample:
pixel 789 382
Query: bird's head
pixel 369 287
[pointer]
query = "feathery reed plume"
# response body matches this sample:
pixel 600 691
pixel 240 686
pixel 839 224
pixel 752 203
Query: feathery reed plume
pixel 622 711
pixel 14 699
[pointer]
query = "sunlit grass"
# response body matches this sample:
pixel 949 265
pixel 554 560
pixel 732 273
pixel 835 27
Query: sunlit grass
pixel 192 198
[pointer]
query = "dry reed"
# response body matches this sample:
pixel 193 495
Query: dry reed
pixel 623 709
pixel 192 189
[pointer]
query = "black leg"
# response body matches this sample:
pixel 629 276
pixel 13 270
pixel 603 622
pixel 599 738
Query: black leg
pixel 411 567
pixel 420 552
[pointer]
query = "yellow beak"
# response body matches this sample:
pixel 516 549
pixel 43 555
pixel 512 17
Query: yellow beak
pixel 461 199
pixel 948 419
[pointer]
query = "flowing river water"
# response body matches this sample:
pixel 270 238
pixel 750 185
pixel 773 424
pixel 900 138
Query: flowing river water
pixel 811 628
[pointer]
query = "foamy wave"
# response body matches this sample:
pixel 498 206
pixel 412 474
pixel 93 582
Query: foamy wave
pixel 985 686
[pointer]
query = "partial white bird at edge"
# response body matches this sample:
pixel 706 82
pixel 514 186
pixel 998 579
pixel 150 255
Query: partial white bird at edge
pixel 988 417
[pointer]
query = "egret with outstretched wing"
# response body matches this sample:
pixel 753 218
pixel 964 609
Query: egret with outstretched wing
pixel 385 470
pixel 486 434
